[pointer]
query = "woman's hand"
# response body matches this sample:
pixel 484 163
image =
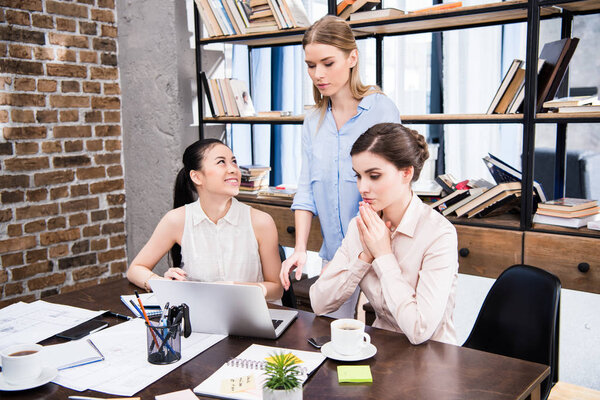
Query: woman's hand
pixel 295 261
pixel 375 234
pixel 176 274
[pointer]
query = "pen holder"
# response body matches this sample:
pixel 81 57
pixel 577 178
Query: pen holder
pixel 164 343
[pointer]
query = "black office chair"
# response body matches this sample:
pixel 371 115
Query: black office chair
pixel 289 298
pixel 520 318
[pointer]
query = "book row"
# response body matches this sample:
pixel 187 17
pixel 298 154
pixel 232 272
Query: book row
pixel 227 97
pixel 552 65
pixel 240 17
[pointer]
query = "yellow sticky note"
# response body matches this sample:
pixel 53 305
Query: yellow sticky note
pixel 289 355
pixel 354 373
pixel 239 384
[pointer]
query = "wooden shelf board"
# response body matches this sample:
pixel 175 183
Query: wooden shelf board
pixel 583 231
pixel 581 6
pixel 412 119
pixel 255 120
pixel 504 221
pixel 504 12
pixel 584 117
pixel 274 201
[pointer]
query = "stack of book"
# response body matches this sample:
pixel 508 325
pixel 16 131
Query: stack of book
pixel 254 178
pixel 227 97
pixel 347 7
pixel 552 65
pixel 479 198
pixel 574 104
pixel 240 17
pixel 277 192
pixel 567 212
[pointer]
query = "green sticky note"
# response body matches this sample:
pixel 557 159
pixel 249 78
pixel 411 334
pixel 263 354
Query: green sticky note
pixel 354 373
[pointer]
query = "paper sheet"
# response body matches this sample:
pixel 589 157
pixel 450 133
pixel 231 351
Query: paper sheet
pixel 33 322
pixel 125 370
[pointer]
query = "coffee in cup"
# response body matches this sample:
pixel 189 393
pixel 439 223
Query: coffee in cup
pixel 21 363
pixel 348 336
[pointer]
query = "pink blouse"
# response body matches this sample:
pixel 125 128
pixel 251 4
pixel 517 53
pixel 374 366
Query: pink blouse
pixel 412 290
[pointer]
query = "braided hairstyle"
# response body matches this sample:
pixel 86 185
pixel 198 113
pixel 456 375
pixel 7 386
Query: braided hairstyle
pixel 398 144
pixel 185 191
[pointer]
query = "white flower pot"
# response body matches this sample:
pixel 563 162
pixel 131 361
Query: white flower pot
pixel 294 394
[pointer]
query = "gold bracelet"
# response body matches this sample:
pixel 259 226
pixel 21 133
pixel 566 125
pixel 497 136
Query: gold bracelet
pixel 148 289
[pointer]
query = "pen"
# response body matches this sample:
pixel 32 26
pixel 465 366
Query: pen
pixel 102 398
pixel 117 315
pixel 146 317
pixel 136 308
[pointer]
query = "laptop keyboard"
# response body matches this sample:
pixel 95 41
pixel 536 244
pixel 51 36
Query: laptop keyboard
pixel 276 322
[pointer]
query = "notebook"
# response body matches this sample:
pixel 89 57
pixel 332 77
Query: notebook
pixel 242 377
pixel 225 308
pixel 72 354
pixel 149 300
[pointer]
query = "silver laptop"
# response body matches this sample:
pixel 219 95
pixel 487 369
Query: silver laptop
pixel 226 309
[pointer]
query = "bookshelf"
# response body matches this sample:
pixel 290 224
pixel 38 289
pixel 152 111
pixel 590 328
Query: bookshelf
pixel 495 242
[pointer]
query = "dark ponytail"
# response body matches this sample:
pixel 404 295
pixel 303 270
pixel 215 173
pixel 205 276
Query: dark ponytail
pixel 398 144
pixel 185 191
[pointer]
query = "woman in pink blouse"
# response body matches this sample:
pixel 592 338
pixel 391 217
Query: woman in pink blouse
pixel 401 252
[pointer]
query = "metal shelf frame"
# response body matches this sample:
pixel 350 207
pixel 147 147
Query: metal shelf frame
pixel 536 11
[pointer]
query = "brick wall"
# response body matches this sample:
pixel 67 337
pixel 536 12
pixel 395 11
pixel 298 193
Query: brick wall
pixel 62 220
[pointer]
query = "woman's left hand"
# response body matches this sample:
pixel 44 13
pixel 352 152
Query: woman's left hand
pixel 374 232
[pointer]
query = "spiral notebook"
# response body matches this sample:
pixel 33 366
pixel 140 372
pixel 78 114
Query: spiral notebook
pixel 149 300
pixel 242 377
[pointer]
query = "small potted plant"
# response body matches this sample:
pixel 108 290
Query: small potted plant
pixel 282 382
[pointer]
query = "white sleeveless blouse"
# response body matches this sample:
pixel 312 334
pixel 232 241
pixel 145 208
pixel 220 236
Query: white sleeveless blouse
pixel 225 251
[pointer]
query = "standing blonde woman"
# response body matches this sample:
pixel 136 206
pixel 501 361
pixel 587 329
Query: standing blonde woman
pixel 344 109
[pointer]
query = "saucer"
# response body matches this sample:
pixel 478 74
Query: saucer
pixel 47 375
pixel 367 352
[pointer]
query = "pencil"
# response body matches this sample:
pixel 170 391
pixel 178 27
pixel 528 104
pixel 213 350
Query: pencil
pixel 146 318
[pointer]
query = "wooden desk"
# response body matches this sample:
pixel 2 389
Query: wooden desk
pixel 400 370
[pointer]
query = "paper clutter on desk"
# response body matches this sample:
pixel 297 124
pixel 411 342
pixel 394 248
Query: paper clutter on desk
pixel 354 374
pixel 185 394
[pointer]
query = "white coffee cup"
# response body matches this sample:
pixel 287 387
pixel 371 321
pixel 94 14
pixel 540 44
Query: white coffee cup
pixel 348 336
pixel 21 363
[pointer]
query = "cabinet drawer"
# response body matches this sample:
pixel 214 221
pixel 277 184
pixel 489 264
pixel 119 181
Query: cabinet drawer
pixel 284 220
pixel 564 256
pixel 487 252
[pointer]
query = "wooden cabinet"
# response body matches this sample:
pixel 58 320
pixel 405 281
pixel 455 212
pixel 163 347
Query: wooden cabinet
pixel 575 260
pixel 286 228
pixel 487 252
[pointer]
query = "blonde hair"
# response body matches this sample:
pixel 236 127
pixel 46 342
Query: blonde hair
pixel 336 32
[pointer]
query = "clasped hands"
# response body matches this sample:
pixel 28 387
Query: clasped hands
pixel 374 233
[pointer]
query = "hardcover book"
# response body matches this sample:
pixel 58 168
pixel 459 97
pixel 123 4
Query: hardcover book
pixel 566 222
pixel 570 214
pixel 512 70
pixel 567 204
pixel 489 194
pixel 374 14
pixel 557 56
pixel 502 172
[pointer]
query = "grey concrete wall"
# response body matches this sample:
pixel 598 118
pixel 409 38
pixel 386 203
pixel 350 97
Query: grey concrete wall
pixel 157 71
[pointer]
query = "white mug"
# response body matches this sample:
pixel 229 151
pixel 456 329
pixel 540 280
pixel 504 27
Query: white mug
pixel 348 336
pixel 21 363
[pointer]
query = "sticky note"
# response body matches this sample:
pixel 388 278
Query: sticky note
pixel 354 373
pixel 239 384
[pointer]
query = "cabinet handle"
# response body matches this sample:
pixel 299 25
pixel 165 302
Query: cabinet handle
pixel 290 229
pixel 463 252
pixel 583 267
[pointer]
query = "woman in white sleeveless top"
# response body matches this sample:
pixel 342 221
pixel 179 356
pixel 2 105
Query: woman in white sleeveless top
pixel 213 238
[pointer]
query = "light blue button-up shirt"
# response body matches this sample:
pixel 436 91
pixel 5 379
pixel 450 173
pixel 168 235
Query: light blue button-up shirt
pixel 327 183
